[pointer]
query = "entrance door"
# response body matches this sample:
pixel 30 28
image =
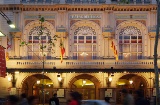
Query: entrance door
pixel 85 87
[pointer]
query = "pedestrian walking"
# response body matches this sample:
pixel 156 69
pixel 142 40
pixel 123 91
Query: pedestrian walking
pixel 128 98
pixel 54 100
pixel 12 100
pixel 139 98
pixel 76 98
pixel 32 100
pixel 23 100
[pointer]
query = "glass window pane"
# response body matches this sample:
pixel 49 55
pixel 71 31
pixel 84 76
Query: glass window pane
pixel 94 39
pixel 134 48
pixel 139 48
pixel 81 48
pixel 120 48
pixel 35 48
pixel 43 39
pixel 75 48
pixel 139 39
pixel 75 39
pixel 133 39
pixel 35 39
pixel 126 39
pixel 133 56
pixel 30 39
pixel 88 39
pixel 120 39
pixel 80 39
pixel 94 48
pixel 126 48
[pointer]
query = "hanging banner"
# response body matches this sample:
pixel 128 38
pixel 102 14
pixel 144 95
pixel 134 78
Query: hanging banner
pixel 2 62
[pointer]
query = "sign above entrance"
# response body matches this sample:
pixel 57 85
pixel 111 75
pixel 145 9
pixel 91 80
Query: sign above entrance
pixel 131 16
pixel 85 16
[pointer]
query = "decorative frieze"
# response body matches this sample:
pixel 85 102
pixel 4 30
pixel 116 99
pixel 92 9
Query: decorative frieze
pixel 79 7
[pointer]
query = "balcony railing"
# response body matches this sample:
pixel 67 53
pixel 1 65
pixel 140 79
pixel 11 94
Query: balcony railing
pixel 85 2
pixel 87 64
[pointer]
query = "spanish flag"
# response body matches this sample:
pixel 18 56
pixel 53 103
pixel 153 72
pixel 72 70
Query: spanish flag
pixel 62 49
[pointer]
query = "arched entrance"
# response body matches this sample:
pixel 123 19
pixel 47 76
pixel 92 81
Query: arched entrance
pixel 87 85
pixel 131 82
pixel 32 85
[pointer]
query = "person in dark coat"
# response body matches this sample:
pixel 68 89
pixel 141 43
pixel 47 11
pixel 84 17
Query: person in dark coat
pixel 32 100
pixel 12 100
pixel 54 100
pixel 139 99
pixel 24 100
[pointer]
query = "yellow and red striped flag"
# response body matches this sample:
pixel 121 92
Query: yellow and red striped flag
pixel 62 49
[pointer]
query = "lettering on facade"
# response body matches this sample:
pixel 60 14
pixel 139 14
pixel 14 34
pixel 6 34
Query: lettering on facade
pixel 85 16
pixel 37 16
pixel 133 16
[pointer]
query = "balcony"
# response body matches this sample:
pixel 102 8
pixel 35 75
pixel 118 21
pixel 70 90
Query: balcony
pixel 50 2
pixel 81 64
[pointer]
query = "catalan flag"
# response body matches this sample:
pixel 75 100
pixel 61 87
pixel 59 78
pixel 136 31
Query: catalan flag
pixel 62 49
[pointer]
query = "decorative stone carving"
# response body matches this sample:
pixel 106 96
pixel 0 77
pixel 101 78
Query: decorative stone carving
pixel 107 32
pixel 61 31
pixel 152 32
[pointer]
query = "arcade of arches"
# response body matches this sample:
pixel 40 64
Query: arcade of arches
pixel 89 85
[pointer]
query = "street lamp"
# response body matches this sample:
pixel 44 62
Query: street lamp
pixel 7 19
pixel 1 34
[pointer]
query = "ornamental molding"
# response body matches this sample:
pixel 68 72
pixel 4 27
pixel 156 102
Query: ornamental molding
pixel 66 7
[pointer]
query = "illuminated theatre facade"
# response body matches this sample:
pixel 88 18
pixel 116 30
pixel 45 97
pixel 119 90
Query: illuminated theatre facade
pixel 108 46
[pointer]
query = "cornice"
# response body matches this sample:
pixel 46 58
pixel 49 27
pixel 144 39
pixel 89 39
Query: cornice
pixel 71 7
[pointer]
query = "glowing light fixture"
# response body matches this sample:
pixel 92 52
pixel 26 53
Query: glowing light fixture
pixel 110 79
pixel 131 81
pixel 11 24
pixel 38 82
pixel 1 34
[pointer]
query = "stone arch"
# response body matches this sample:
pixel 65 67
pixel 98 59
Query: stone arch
pixel 96 82
pixel 35 23
pixel 140 77
pixel 137 24
pixel 93 26
pixel 29 81
pixel 143 29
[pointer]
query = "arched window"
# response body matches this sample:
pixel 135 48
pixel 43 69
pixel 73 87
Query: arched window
pixel 85 43
pixel 35 41
pixel 130 43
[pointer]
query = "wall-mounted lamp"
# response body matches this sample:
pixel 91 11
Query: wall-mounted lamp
pixel 130 81
pixel 109 79
pixel 60 79
pixel 38 81
pixel 12 79
pixel 83 82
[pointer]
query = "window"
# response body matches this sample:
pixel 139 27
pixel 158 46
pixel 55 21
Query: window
pixel 85 43
pixel 130 43
pixel 35 42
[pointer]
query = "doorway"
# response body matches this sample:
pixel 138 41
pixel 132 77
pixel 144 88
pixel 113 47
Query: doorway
pixel 131 82
pixel 87 85
pixel 35 84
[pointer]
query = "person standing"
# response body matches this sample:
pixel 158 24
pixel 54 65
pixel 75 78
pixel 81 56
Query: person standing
pixel 139 98
pixel 54 100
pixel 75 98
pixel 128 98
pixel 24 100
pixel 33 100
pixel 12 100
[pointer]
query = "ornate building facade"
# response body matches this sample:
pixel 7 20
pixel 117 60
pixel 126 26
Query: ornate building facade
pixel 108 46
